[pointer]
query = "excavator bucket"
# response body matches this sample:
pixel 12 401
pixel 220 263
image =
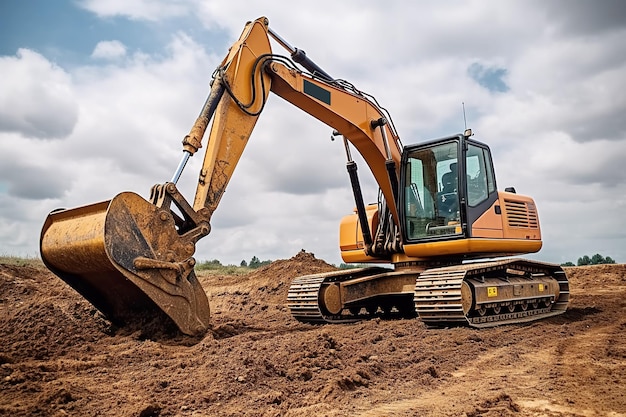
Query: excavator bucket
pixel 129 259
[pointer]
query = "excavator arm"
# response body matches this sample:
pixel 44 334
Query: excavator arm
pixel 133 258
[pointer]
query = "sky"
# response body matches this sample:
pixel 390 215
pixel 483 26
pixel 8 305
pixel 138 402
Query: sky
pixel 96 96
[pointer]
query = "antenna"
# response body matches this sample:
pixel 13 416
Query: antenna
pixel 467 132
pixel 464 119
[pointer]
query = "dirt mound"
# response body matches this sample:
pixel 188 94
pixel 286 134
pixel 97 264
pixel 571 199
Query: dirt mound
pixel 271 282
pixel 59 356
pixel 39 312
pixel 259 295
pixel 597 275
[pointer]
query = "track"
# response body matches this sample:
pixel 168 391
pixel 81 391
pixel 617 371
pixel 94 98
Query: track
pixel 309 300
pixel 303 301
pixel 441 299
pixel 442 296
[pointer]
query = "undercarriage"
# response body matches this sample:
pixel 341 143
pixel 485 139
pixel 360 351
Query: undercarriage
pixel 479 294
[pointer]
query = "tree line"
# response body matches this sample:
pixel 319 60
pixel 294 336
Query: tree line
pixel 596 259
pixel 254 263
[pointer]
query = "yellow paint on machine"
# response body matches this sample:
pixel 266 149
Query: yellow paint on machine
pixel 479 246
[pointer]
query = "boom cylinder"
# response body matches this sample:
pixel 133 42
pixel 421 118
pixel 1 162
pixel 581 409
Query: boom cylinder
pixel 360 205
pixel 358 198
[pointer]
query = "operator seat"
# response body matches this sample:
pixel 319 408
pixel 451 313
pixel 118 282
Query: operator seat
pixel 449 180
pixel 448 198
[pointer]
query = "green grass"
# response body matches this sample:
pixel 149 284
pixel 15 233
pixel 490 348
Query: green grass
pixel 202 268
pixel 210 268
pixel 33 262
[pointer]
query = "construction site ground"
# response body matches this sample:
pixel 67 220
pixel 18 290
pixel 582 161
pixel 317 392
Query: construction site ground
pixel 60 357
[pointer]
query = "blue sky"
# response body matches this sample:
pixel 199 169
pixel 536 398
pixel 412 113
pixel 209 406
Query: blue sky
pixel 97 95
pixel 66 32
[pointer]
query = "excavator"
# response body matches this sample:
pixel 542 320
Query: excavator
pixel 450 236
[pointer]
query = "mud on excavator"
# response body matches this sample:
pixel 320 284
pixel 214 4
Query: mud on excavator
pixel 438 217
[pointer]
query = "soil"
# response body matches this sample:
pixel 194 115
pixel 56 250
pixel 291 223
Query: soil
pixel 59 356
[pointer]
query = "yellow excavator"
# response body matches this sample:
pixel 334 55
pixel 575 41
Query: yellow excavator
pixel 438 217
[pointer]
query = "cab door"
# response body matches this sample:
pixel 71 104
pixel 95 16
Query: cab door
pixel 432 190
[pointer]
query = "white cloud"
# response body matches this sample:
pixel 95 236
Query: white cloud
pixel 37 98
pixel 109 50
pixel 152 10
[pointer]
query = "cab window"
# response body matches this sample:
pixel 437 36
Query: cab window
pixel 479 175
pixel 432 194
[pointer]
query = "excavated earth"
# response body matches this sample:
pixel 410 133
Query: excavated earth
pixel 59 356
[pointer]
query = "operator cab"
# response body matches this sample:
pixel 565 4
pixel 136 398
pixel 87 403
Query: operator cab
pixel 448 183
